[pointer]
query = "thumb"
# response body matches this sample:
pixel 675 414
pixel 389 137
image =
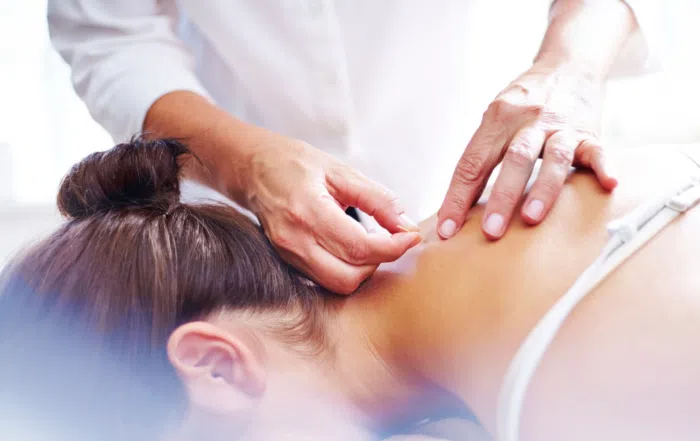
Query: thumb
pixel 352 188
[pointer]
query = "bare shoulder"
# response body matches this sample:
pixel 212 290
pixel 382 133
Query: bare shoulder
pixel 631 335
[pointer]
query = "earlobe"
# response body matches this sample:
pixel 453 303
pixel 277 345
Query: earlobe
pixel 217 365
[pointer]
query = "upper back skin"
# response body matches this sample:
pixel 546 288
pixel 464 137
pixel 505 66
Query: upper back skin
pixel 626 364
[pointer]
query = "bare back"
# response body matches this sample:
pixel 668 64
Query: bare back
pixel 626 365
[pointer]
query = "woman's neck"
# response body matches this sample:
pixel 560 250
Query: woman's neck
pixel 425 313
pixel 373 353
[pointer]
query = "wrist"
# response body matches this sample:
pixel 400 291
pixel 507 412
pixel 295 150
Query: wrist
pixel 224 146
pixel 256 148
pixel 584 38
pixel 232 154
pixel 568 66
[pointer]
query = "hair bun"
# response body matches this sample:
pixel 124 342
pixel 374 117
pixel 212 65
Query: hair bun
pixel 140 173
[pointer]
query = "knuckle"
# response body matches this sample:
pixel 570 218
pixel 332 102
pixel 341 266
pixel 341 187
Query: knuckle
pixel 595 148
pixel 549 188
pixel 337 176
pixel 551 119
pixel 503 111
pixel 273 235
pixel 560 154
pixel 391 197
pixel 342 177
pixel 520 154
pixel 537 110
pixel 499 110
pixel 455 204
pixel 470 169
pixel 348 283
pixel 347 174
pixel 591 150
pixel 505 197
pixel 357 251
pixel 294 213
pixel 281 240
pixel 389 201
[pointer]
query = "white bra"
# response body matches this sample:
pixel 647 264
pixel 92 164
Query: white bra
pixel 627 235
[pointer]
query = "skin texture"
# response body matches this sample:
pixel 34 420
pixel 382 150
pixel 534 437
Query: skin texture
pixel 620 368
pixel 443 323
pixel 306 221
pixel 552 110
pixel 554 105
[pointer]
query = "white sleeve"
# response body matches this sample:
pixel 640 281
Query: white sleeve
pixel 123 55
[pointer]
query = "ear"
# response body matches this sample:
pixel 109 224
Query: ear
pixel 220 368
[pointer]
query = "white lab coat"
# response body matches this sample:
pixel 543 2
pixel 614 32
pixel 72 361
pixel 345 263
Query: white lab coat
pixel 381 84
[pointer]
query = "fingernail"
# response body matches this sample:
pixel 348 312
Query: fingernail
pixel 408 223
pixel 416 240
pixel 412 238
pixel 494 225
pixel 534 209
pixel 448 229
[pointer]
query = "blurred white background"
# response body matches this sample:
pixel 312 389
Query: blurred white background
pixel 45 128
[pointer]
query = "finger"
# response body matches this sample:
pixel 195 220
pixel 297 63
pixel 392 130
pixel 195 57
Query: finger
pixel 350 242
pixel 470 176
pixel 356 190
pixel 327 270
pixel 518 162
pixel 556 163
pixel 590 154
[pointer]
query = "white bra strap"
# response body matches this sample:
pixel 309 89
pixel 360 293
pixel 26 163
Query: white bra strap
pixel 627 235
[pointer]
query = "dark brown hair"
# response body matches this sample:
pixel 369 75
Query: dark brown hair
pixel 95 303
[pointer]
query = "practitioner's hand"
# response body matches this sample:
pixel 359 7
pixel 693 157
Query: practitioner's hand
pixel 298 192
pixel 551 112
pixel 300 195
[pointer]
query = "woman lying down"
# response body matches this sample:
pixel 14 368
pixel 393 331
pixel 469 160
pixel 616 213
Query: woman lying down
pixel 169 317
